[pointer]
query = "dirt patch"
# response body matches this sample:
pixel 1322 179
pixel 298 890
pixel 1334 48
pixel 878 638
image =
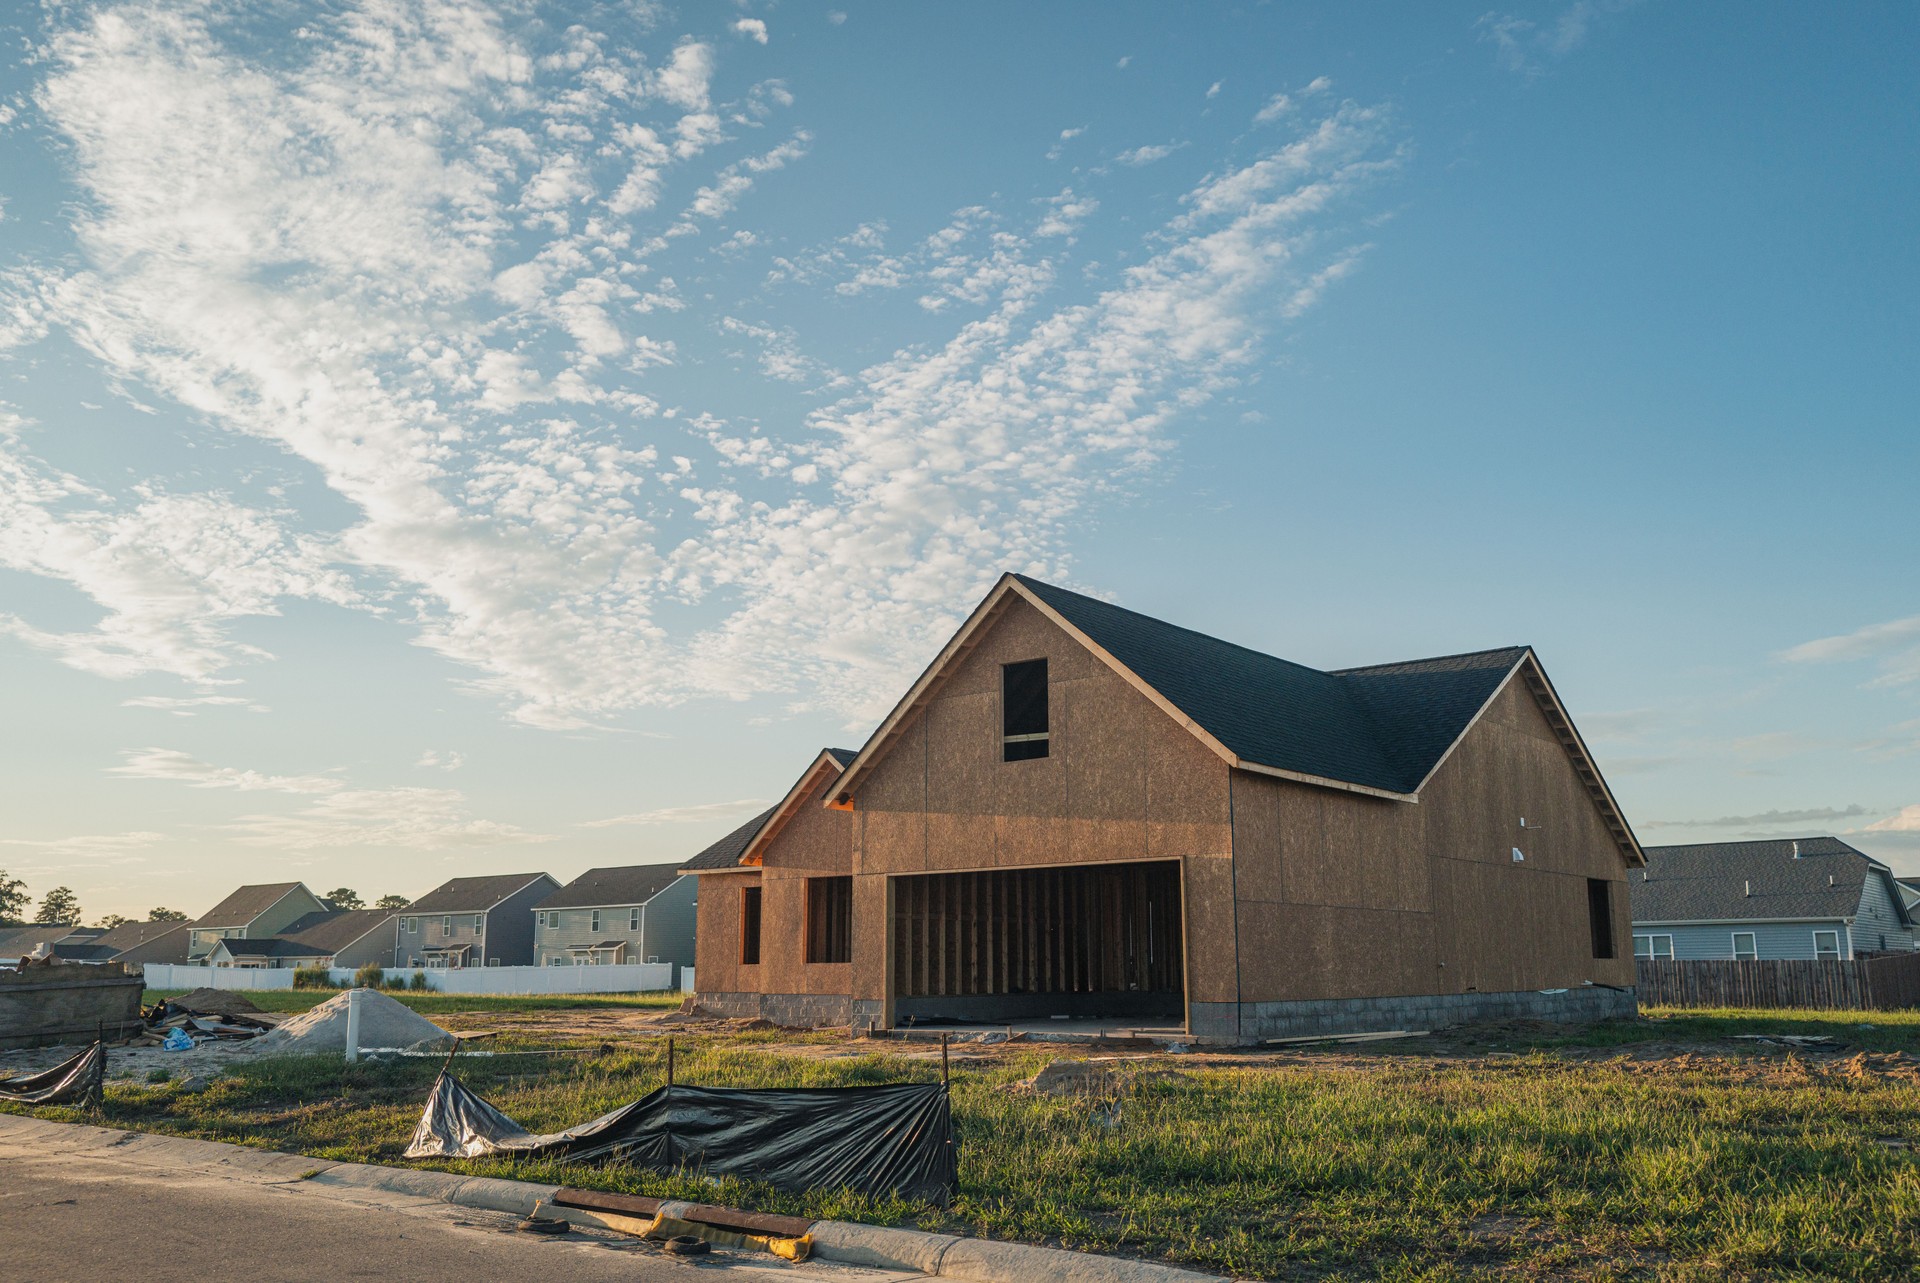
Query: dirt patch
pixel 215 1002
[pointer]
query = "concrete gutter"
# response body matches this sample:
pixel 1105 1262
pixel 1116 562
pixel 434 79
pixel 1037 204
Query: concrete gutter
pixel 945 1256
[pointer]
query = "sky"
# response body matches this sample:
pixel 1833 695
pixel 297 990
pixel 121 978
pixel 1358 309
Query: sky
pixel 441 438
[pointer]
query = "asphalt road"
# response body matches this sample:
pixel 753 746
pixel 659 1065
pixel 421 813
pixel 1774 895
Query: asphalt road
pixel 89 1218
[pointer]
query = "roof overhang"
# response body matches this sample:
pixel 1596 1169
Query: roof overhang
pixel 823 768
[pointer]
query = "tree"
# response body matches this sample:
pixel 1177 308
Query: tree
pixel 62 906
pixel 344 898
pixel 113 920
pixel 392 902
pixel 13 900
pixel 165 915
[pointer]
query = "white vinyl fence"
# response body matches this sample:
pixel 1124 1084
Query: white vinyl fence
pixel 632 977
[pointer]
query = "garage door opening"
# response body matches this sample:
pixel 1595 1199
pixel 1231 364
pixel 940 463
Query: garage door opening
pixel 1083 942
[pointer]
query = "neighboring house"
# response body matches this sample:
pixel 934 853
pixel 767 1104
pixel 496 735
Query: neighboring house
pixel 18 942
pixel 473 922
pixel 137 943
pixel 1781 898
pixel 1909 892
pixel 1081 811
pixel 636 913
pixel 328 938
pixel 251 912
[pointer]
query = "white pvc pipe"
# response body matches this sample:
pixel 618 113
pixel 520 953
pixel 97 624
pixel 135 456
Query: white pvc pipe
pixel 353 1024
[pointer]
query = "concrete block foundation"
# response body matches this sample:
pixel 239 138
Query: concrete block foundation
pixel 1253 1022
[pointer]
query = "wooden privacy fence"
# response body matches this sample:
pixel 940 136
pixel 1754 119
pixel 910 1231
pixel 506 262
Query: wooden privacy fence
pixel 1864 984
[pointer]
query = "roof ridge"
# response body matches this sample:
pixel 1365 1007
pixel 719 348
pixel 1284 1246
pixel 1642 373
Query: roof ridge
pixel 1179 628
pixel 1426 659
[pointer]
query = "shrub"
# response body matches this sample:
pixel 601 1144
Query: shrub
pixel 312 978
pixel 369 976
pixel 420 980
pixel 159 1075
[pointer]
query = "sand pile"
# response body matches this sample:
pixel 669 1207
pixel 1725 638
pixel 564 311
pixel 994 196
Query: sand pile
pixel 384 1023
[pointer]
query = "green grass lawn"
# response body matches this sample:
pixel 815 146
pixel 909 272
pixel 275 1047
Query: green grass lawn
pixel 1403 1167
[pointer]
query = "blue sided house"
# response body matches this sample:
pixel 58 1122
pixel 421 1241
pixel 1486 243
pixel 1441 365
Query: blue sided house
pixel 1780 898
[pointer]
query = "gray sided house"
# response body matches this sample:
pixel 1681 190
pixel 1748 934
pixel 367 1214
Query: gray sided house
pixel 251 912
pixel 636 913
pixel 138 943
pixel 60 938
pixel 329 938
pixel 473 922
pixel 1784 898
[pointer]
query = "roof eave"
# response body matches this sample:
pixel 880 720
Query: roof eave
pixel 755 850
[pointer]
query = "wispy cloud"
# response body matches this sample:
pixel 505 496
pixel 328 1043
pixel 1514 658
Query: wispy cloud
pixel 418 819
pixel 1766 819
pixel 1147 154
pixel 54 855
pixel 752 28
pixel 1895 644
pixel 697 814
pixel 1905 820
pixel 424 255
pixel 188 705
pixel 437 760
pixel 184 768
pixel 1528 45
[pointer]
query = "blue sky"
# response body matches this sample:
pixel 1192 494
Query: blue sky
pixel 442 438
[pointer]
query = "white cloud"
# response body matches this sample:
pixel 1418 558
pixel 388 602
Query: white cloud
pixel 1766 819
pixel 752 28
pixel 1125 62
pixel 1895 644
pixel 183 768
pixel 1148 154
pixel 1905 820
pixel 185 705
pixel 448 761
pixel 411 818
pixel 1213 90
pixel 421 257
pixel 699 813
pixel 1527 45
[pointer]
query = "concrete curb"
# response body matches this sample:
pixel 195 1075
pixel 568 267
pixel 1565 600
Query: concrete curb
pixel 946 1256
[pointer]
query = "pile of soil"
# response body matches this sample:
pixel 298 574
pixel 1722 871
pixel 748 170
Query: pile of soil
pixel 215 1002
pixel 384 1024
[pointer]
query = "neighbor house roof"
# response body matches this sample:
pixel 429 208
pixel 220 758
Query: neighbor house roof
pixel 624 885
pixel 1764 880
pixel 270 947
pixel 1382 729
pixel 726 853
pixel 246 904
pixel 18 942
pixel 472 895
pixel 128 934
pixel 165 945
pixel 332 930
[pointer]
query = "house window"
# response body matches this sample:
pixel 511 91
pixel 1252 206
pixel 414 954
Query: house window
pixel 829 919
pixel 479 922
pixel 446 925
pixel 749 926
pixel 1600 916
pixel 1023 710
pixel 1826 944
pixel 556 961
pixel 1743 947
pixel 1652 947
pixel 553 922
pixel 633 919
pixel 594 925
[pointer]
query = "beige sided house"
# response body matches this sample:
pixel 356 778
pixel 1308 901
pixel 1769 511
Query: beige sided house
pixel 251 911
pixel 472 922
pixel 633 913
pixel 1082 811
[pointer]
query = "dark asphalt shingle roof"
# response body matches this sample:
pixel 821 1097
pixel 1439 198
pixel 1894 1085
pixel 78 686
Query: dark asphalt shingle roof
pixel 271 947
pixel 1385 726
pixel 471 895
pixel 18 941
pixel 726 853
pixel 332 930
pixel 244 905
pixel 158 946
pixel 626 885
pixel 1707 881
pixel 128 934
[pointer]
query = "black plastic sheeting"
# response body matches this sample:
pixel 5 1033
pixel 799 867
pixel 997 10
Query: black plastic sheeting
pixel 76 1080
pixel 896 1139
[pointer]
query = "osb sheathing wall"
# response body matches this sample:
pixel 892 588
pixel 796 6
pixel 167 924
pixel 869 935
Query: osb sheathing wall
pixel 716 949
pixel 813 842
pixel 1122 781
pixel 1343 895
